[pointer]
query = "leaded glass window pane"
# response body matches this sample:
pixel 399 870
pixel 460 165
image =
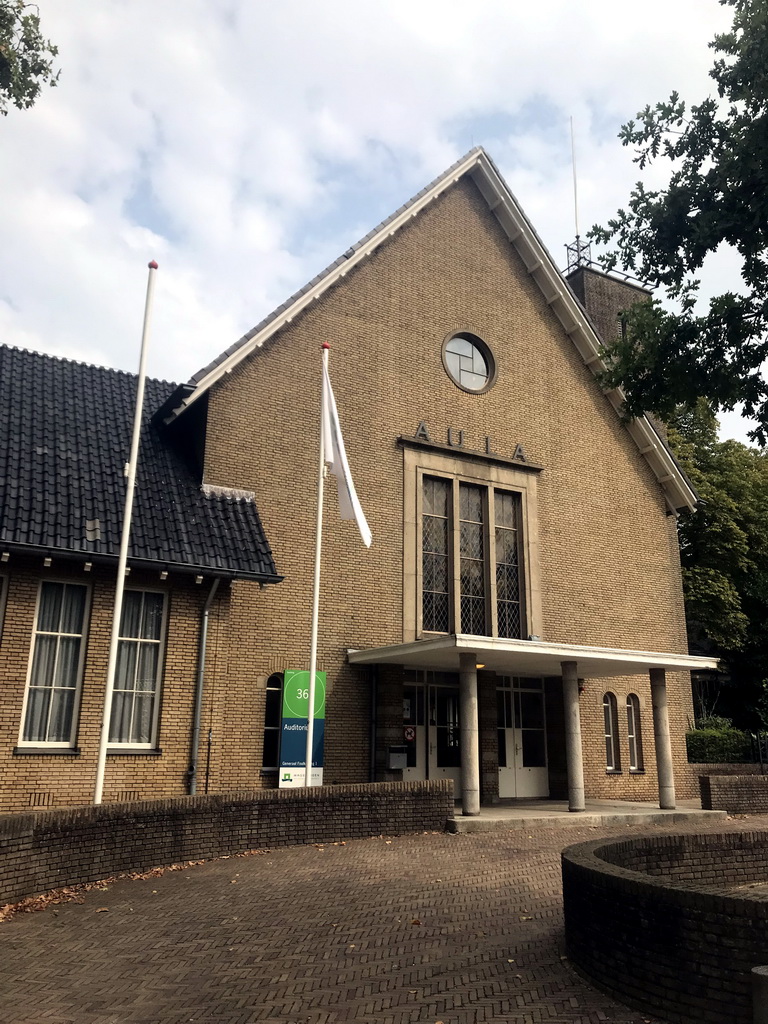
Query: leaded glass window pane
pixel 472 559
pixel 506 514
pixel 435 557
pixel 455 557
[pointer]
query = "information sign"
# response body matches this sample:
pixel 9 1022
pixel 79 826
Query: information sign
pixel 293 731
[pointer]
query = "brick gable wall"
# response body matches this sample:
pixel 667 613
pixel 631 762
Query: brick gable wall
pixel 609 563
pixel 609 567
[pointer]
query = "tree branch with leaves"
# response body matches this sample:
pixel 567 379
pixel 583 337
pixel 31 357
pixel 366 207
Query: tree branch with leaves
pixel 717 195
pixel 26 57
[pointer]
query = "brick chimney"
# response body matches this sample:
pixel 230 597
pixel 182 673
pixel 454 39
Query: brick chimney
pixel 604 297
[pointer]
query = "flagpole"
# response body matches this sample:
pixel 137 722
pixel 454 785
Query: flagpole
pixel 316 586
pixel 130 471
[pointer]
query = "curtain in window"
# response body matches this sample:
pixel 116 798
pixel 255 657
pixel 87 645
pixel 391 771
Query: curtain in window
pixel 137 670
pixel 54 677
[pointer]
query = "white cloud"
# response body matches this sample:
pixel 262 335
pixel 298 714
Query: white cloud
pixel 244 145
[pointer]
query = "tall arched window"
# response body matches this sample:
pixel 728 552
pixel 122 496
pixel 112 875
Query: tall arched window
pixel 634 734
pixel 610 714
pixel 272 718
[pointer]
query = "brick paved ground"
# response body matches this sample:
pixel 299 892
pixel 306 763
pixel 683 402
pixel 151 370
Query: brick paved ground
pixel 430 928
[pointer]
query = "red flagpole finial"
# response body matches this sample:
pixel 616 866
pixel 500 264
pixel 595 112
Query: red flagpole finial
pixel 152 265
pixel 325 345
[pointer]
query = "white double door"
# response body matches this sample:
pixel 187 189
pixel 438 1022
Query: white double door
pixel 432 735
pixel 522 738
pixel 431 732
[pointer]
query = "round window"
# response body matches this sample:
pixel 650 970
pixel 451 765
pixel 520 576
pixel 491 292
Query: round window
pixel 468 362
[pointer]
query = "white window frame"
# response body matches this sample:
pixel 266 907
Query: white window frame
pixel 634 734
pixel 56 744
pixel 152 743
pixel 611 729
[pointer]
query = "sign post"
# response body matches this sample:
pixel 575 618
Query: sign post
pixel 293 729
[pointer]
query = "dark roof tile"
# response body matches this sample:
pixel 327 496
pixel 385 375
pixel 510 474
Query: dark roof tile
pixel 65 432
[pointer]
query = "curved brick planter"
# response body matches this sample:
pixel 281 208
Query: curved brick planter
pixel 671 924
pixel 52 849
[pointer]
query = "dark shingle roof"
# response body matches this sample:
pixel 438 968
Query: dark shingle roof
pixel 65 433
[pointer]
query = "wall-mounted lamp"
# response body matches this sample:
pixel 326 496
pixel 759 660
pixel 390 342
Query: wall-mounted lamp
pixel 47 562
pixel 164 575
pixel 88 566
pixel 5 556
pixel 479 666
pixel 198 579
pixel 127 570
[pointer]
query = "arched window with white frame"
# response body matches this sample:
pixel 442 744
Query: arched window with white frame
pixel 611 717
pixel 634 734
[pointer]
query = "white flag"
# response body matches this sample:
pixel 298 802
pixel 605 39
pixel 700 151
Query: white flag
pixel 336 457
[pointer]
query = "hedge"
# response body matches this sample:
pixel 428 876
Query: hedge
pixel 718 746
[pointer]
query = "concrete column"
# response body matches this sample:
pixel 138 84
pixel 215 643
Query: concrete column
pixel 573 736
pixel 661 736
pixel 470 735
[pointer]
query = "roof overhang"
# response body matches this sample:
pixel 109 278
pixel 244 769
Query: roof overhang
pixel 150 564
pixel 527 657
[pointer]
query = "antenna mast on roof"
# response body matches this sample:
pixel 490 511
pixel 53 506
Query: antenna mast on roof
pixel 579 253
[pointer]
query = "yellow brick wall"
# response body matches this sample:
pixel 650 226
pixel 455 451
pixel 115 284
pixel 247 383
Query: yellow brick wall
pixel 609 564
pixel 60 779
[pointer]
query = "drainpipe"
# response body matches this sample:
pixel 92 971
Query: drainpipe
pixel 192 770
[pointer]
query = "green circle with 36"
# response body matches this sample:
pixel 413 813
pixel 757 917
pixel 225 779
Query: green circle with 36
pixel 296 695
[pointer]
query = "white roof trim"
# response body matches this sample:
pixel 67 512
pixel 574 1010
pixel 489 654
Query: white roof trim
pixel 542 269
pixel 527 657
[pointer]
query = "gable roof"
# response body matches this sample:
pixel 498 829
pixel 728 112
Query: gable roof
pixel 479 167
pixel 65 431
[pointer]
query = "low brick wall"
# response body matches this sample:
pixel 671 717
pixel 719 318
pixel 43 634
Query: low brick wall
pixel 736 794
pixel 727 769
pixel 52 849
pixel 662 924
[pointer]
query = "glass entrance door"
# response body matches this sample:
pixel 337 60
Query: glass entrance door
pixel 431 731
pixel 414 733
pixel 522 738
pixel 445 735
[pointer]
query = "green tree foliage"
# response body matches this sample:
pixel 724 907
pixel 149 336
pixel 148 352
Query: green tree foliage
pixel 717 196
pixel 26 58
pixel 724 554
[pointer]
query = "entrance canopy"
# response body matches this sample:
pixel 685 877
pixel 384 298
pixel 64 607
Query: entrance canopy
pixel 526 657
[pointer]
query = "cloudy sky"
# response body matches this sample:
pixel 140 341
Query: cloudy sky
pixel 244 144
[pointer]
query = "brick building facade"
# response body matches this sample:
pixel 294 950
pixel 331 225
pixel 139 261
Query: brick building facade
pixel 517 624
